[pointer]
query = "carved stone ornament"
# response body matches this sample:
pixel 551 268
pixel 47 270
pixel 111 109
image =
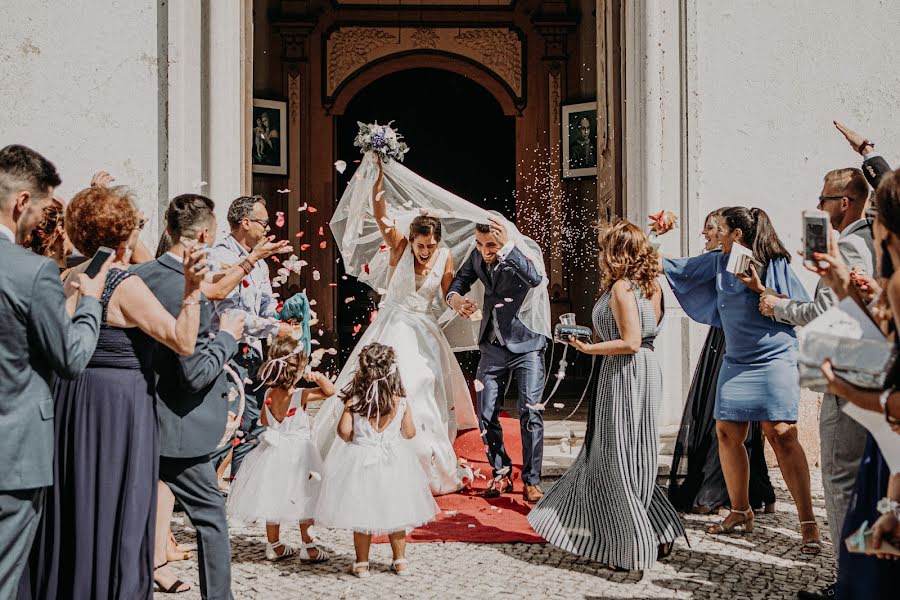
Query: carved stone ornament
pixel 293 95
pixel 499 49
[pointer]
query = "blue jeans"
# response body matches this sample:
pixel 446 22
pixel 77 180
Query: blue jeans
pixel 494 369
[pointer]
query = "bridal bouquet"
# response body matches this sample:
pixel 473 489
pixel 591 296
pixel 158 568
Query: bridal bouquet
pixel 382 140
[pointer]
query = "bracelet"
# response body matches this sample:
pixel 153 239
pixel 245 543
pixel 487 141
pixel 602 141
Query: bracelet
pixel 863 144
pixel 888 506
pixel 246 266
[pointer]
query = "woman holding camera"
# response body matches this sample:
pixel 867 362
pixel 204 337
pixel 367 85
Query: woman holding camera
pixel 758 380
pixel 607 507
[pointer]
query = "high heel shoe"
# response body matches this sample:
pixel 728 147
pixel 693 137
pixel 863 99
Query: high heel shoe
pixel 746 525
pixel 810 545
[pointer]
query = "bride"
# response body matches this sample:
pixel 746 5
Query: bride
pixel 419 272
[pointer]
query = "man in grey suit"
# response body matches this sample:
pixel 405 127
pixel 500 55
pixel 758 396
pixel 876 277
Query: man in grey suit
pixel 192 401
pixel 843 440
pixel 39 339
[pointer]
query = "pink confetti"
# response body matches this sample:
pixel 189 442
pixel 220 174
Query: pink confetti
pixel 323 244
pixel 321 231
pixel 356 328
pixel 304 246
pixel 312 209
pixel 298 235
pixel 279 219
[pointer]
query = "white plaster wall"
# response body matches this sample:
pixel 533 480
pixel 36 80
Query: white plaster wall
pixel 80 86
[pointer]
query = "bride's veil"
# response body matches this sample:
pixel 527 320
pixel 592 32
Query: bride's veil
pixel 407 195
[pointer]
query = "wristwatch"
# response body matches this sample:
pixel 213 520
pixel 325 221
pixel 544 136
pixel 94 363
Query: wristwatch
pixel 887 506
pixel 883 399
pixel 863 144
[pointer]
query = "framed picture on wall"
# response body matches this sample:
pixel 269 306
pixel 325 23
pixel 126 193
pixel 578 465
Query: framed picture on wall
pixel 579 140
pixel 269 137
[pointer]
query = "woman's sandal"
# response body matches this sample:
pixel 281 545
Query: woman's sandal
pixel 361 574
pixel 321 555
pixel 664 550
pixel 273 555
pixel 746 525
pixel 810 546
pixel 172 589
pixel 401 572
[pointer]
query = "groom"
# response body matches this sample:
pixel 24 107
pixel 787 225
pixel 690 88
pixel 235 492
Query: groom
pixel 507 348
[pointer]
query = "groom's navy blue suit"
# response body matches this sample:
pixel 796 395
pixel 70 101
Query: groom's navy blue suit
pixel 507 348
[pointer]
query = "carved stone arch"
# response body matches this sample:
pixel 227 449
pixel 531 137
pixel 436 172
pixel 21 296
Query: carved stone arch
pixel 371 72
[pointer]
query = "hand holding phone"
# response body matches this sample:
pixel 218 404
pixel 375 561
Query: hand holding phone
pixel 92 281
pixel 816 233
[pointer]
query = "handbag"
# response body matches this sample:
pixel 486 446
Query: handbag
pixel 562 332
pixel 864 363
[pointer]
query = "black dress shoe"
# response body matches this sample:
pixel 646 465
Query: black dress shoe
pixel 826 593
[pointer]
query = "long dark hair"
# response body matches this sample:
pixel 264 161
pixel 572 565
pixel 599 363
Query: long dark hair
pixel 377 367
pixel 759 234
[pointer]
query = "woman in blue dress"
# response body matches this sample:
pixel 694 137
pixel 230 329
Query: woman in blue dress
pixel 758 380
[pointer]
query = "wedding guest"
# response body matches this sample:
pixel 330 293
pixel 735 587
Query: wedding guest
pixel 617 466
pixel 220 285
pixel 96 538
pixel 877 493
pixel 191 393
pixel 700 488
pixel 874 166
pixel 49 237
pixel 249 223
pixel 758 380
pixel 40 341
pixel 843 440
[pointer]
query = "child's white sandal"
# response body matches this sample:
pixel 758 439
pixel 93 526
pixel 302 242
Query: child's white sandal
pixel 272 555
pixel 361 574
pixel 401 572
pixel 321 555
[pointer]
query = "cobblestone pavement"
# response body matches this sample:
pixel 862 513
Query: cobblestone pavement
pixel 766 564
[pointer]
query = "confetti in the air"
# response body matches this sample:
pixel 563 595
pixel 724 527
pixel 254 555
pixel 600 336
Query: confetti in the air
pixel 478 385
pixel 349 299
pixel 284 191
pixel 279 219
pixel 303 207
pixel 316 275
pixel 340 166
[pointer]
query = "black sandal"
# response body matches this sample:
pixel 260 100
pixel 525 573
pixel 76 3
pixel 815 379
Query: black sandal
pixel 172 589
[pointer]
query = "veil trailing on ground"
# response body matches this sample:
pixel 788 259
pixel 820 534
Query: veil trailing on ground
pixel 408 195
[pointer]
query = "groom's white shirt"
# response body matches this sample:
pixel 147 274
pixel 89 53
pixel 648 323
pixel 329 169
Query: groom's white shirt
pixel 502 254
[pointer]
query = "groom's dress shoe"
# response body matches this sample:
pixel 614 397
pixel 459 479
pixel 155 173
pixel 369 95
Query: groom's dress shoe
pixel 532 493
pixel 498 487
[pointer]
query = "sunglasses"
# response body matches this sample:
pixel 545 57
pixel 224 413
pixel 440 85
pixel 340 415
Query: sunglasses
pixel 824 199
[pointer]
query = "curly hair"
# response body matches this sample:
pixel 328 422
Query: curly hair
pixel 425 225
pixel 887 201
pixel 101 217
pixel 626 253
pixel 43 237
pixel 285 362
pixel 377 364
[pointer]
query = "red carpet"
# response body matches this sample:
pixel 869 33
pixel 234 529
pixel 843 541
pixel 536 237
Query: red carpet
pixel 476 519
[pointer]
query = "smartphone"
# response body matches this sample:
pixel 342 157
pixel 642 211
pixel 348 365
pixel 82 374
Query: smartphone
pixel 816 233
pixel 102 255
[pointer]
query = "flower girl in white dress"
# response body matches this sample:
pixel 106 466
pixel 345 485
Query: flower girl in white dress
pixel 279 481
pixel 374 484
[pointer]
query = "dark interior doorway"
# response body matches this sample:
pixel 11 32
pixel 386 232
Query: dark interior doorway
pixel 459 138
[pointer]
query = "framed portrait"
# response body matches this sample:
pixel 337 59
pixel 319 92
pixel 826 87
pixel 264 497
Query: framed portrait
pixel 579 140
pixel 269 137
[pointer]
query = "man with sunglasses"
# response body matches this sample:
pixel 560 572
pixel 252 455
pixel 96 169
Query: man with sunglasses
pixel 249 222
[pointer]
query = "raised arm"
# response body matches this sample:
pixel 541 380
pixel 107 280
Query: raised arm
pixel 140 308
pixel 324 390
pixel 510 255
pixel 392 237
pixel 447 277
pixel 225 282
pixel 68 343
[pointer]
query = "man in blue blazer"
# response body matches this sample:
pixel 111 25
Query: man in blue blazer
pixel 192 402
pixel 507 347
pixel 39 341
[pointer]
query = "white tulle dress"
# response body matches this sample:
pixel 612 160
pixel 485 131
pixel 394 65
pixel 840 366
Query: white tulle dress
pixel 279 481
pixel 375 484
pixel 434 383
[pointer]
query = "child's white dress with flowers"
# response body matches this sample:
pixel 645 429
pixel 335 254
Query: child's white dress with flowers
pixel 375 483
pixel 279 481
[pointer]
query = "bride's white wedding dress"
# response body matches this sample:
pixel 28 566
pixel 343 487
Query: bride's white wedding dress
pixel 435 387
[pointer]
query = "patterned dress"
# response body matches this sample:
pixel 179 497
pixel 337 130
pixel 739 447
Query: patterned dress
pixel 607 507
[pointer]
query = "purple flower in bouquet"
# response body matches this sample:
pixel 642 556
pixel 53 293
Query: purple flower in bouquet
pixel 378 140
pixel 382 140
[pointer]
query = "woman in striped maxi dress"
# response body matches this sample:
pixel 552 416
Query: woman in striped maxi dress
pixel 607 507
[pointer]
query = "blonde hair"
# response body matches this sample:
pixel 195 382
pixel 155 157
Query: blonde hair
pixel 626 253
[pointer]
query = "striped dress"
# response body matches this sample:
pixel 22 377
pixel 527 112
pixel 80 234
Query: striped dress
pixel 607 507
